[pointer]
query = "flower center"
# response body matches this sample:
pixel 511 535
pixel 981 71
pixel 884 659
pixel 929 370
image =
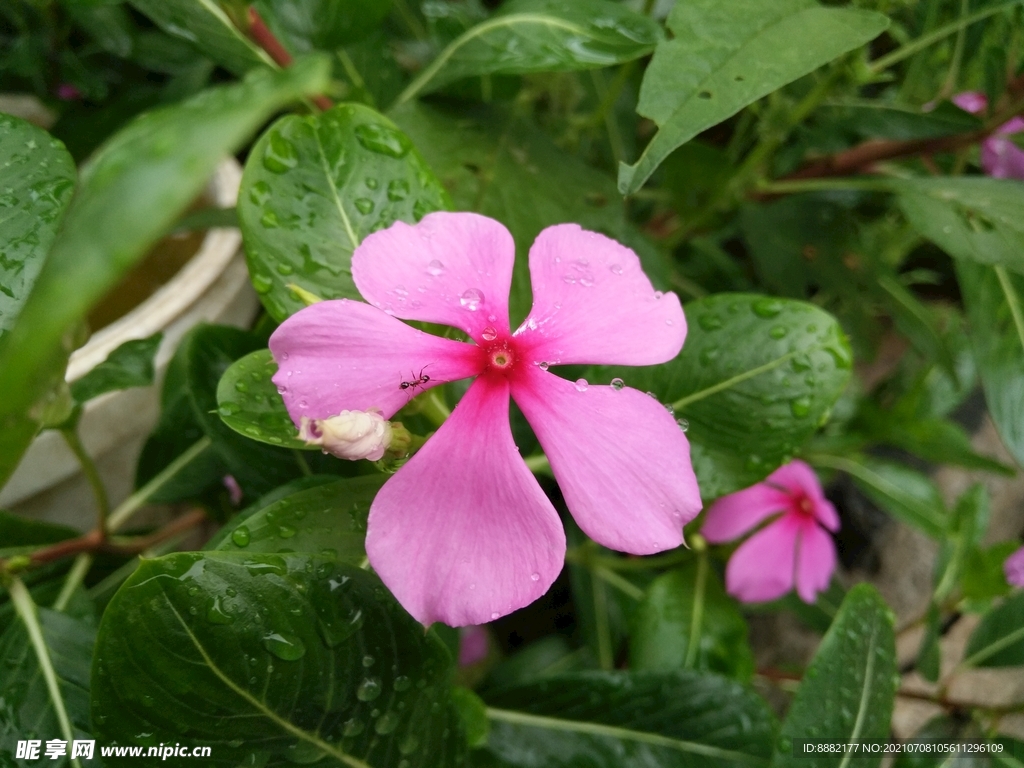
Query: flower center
pixel 500 357
pixel 805 507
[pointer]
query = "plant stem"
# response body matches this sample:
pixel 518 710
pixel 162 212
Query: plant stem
pixel 843 184
pixel 434 408
pixel 958 54
pixel 602 628
pixel 26 610
pixel 905 51
pixel 628 588
pixel 133 503
pixel 538 464
pixel 697 618
pixel 99 490
pixel 267 40
pixel 74 579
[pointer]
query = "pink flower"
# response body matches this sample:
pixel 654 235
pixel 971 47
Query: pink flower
pixel 1013 567
pixel 474 645
pixel 1000 157
pixel 463 532
pixel 68 92
pixel 793 549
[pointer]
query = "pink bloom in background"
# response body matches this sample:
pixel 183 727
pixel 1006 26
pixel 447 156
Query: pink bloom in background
pixel 1013 567
pixel 68 92
pixel 1000 157
pixel 793 550
pixel 474 645
pixel 463 532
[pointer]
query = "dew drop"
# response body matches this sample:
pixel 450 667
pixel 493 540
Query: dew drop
pixel 543 366
pixel 658 294
pixel 435 268
pixel 800 406
pixel 368 661
pixel 471 299
pixel 709 322
pixel 778 331
pixel 489 334
pixel 586 281
pixel 616 269
pixel 240 536
pixel 683 424
pixel 402 683
pixel 285 646
pixel 618 384
pixel 386 723
pixel 767 307
pixel 368 690
pixel 364 205
pixel 581 385
pixel 286 531
pixel 352 727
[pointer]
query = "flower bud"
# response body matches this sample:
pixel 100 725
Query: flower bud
pixel 350 435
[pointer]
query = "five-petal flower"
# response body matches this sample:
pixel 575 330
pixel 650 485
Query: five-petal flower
pixel 463 532
pixel 795 549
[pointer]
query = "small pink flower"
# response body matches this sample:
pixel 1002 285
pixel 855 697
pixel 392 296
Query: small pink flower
pixel 474 645
pixel 1000 157
pixel 1013 567
pixel 235 493
pixel 793 549
pixel 68 92
pixel 463 532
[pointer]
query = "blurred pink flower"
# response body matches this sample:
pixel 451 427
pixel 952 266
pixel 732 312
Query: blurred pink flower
pixel 1000 157
pixel 235 493
pixel 794 549
pixel 68 92
pixel 474 644
pixel 463 533
pixel 1013 567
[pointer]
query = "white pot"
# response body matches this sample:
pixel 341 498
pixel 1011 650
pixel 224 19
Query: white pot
pixel 212 287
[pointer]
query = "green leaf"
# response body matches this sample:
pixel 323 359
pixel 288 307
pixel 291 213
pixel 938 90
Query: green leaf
pixel 867 119
pixel 27 711
pixel 131 190
pixel 756 377
pixel 998 641
pixel 687 621
pixel 249 403
pixel 929 655
pixel 682 719
pixel 847 693
pixel 130 365
pixel 325 24
pixel 906 494
pixel 18 532
pixel 39 178
pixel 542 36
pixel 984 577
pixel 204 24
pixel 314 187
pixel 974 218
pixel 328 519
pixel 726 55
pixel 473 713
pixel 994 299
pixel 272 656
pixel 504 167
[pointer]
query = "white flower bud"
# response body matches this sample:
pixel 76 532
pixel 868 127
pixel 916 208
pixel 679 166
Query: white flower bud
pixel 350 435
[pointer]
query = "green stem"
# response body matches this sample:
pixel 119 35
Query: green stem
pixel 697 617
pixel 433 407
pixel 410 20
pixel 666 560
pixel 133 503
pixel 353 74
pixel 628 588
pixel 303 464
pixel 74 579
pixel 538 464
pixel 99 490
pixel 26 610
pixel 908 50
pixel 603 629
pixel 958 54
pixel 824 185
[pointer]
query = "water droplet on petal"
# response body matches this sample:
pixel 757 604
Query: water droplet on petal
pixel 618 384
pixel 581 385
pixel 616 269
pixel 471 299
pixel 543 366
pixel 683 424
pixel 535 577
pixel 658 294
pixel 495 615
pixel 489 334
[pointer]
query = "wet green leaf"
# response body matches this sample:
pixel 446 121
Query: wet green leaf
pixel 314 187
pixel 726 55
pixel 998 640
pixel 130 365
pixel 847 693
pixel 249 403
pixel 542 36
pixel 677 719
pixel 272 657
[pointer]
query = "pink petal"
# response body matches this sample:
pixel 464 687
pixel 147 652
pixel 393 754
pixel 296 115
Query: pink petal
pixel 971 101
pixel 592 303
pixel 732 516
pixel 1011 126
pixel 474 645
pixel 345 355
pixel 622 462
pixel 463 533
pixel 800 480
pixel 1002 159
pixel 1013 568
pixel 762 568
pixel 816 559
pixel 451 268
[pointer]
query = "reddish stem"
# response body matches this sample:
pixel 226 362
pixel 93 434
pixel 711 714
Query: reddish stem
pixel 267 40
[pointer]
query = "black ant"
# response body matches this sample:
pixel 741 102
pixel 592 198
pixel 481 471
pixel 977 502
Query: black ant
pixel 417 381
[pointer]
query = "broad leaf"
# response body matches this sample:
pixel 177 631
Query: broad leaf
pixel 249 403
pixel 677 719
pixel 687 621
pixel 984 577
pixel 328 519
pixel 39 178
pixel 973 218
pixel 313 188
pixel 130 365
pixel 26 710
pixel 994 299
pixel 847 693
pixel 503 167
pixel 131 191
pixel 756 377
pixel 270 656
pixel 998 641
pixel 205 25
pixel 542 36
pixel 726 55
pixel 324 24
